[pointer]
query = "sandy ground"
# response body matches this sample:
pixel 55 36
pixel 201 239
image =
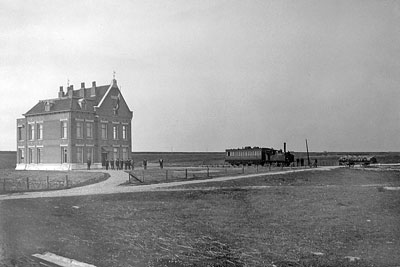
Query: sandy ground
pixel 113 185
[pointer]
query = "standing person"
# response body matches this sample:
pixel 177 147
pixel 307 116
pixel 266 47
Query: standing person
pixel 117 164
pixel 106 164
pixel 145 164
pixel 121 164
pixel 112 164
pixel 89 162
pixel 132 164
pixel 161 163
pixel 127 164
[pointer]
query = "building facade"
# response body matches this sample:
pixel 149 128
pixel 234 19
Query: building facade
pixel 66 132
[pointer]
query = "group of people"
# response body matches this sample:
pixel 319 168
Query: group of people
pixel 128 164
pixel 120 164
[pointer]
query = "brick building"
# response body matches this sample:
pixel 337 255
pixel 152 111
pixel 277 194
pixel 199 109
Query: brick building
pixel 63 133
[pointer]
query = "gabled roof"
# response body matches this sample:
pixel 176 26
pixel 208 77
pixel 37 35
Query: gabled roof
pixel 67 103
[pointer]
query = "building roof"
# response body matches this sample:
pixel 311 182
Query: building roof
pixel 71 103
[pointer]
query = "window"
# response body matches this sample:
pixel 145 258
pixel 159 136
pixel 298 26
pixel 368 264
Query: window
pixel 30 155
pixel 39 155
pixel 124 153
pixel 104 131
pixel 124 135
pixel 79 154
pixel 116 153
pixel 89 154
pixel 64 129
pixel 89 130
pixel 40 131
pixel 115 132
pixel 31 131
pixel 79 130
pixel 21 153
pixel 64 155
pixel 82 104
pixel 20 133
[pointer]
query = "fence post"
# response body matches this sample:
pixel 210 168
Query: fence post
pixel 257 168
pixel 27 183
pixel 66 180
pixel 166 175
pixel 186 173
pixel 208 171
pixel 242 169
pixel 47 181
pixel 143 175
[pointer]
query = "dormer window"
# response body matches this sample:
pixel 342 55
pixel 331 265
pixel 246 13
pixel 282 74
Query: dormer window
pixel 48 105
pixel 82 103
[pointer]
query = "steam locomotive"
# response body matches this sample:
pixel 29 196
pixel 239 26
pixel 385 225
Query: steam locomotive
pixel 258 156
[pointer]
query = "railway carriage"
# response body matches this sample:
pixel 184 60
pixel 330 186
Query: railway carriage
pixel 258 156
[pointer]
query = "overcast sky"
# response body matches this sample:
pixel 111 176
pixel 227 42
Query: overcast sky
pixel 210 75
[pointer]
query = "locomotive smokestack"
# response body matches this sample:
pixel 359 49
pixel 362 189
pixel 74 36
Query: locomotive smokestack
pixel 284 147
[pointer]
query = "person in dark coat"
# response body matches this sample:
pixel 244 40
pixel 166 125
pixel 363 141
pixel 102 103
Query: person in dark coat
pixel 112 164
pixel 127 164
pixel 106 164
pixel 117 164
pixel 132 164
pixel 121 164
pixel 89 162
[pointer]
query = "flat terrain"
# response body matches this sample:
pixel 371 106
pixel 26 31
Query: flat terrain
pixel 284 221
pixel 12 181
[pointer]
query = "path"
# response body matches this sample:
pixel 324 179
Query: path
pixel 112 185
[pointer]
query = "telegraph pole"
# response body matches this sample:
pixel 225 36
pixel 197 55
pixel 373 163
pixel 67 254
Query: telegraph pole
pixel 308 155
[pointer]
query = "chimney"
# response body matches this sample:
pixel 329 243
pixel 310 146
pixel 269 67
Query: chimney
pixel 70 91
pixel 284 148
pixel 61 92
pixel 82 90
pixel 93 89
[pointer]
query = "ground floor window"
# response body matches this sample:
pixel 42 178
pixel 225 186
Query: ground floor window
pixel 90 154
pixel 21 155
pixel 124 153
pixel 30 155
pixel 115 153
pixel 79 154
pixel 39 155
pixel 64 155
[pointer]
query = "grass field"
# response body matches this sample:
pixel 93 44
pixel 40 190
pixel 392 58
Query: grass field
pixel 19 181
pixel 334 213
pixel 8 159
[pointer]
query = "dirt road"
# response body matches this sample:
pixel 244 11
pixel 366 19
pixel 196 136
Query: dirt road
pixel 113 185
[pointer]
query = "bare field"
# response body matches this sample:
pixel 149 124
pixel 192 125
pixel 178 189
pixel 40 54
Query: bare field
pixel 304 219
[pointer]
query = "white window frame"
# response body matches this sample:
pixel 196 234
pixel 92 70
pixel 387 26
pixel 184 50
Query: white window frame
pixel 124 132
pixel 39 132
pixel 64 154
pixel 115 132
pixel 64 129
